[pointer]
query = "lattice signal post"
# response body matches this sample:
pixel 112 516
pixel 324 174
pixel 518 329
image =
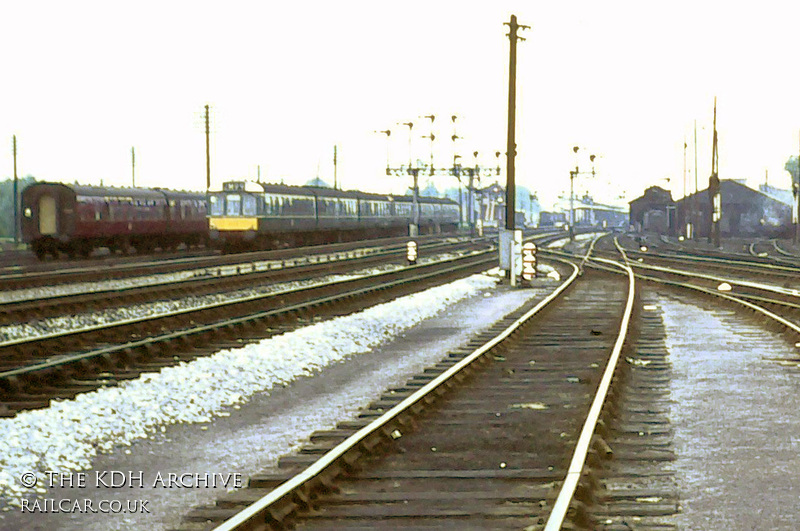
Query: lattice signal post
pixel 457 170
pixel 572 176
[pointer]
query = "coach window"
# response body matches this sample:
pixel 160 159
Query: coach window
pixel 233 203
pixel 249 205
pixel 217 205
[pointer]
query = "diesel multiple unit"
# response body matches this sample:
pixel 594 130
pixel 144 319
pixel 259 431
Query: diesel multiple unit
pixel 259 215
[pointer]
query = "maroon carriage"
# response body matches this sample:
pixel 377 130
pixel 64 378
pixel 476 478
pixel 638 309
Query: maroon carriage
pixel 76 219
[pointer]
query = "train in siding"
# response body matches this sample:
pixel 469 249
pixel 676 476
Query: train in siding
pixel 75 219
pixel 248 215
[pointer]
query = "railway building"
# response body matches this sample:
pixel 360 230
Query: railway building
pixel 589 213
pixel 654 211
pixel 745 212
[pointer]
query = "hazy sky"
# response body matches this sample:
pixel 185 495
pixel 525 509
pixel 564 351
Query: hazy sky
pixel 83 82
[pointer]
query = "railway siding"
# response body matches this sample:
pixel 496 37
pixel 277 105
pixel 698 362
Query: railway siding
pixel 489 454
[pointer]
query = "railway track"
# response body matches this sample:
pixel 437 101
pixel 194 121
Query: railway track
pixel 486 439
pixel 431 466
pixel 85 298
pixel 36 370
pixel 761 251
pixel 89 271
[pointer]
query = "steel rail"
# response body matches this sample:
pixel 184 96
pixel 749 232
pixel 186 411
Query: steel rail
pixel 674 257
pixel 67 359
pixel 719 260
pixel 716 293
pixel 714 278
pixel 112 269
pixel 784 252
pixel 738 282
pixel 589 251
pixel 251 515
pixel 215 279
pixel 129 271
pixel 559 512
pixel 731 258
pixel 64 360
pixel 708 291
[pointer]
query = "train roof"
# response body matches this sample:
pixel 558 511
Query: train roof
pixel 425 199
pixel 182 194
pixel 319 191
pixel 117 191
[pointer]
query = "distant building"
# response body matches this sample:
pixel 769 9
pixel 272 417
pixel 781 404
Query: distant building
pixel 745 212
pixel 592 214
pixel 489 205
pixel 654 211
pixel 552 219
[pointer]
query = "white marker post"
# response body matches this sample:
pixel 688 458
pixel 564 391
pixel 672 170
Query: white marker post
pixel 411 252
pixel 511 253
pixel 529 261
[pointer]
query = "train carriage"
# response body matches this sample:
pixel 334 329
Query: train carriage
pixel 76 219
pixel 186 220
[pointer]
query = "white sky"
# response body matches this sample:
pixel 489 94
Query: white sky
pixel 84 81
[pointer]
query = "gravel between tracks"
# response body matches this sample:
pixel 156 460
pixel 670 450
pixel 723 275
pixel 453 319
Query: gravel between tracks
pixel 67 435
pixel 75 322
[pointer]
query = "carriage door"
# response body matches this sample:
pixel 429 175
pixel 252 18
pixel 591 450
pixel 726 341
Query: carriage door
pixel 47 215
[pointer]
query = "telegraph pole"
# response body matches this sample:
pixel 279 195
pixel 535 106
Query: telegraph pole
pixel 713 186
pixel 511 146
pixel 208 155
pixel 685 209
pixel 457 173
pixel 572 176
pixel 508 256
pixel 335 176
pixel 16 192
pixel 133 168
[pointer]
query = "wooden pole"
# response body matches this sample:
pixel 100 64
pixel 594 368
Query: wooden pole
pixel 16 192
pixel 208 155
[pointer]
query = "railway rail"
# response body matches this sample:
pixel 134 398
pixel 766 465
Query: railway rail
pixel 415 457
pixel 730 280
pixel 742 267
pixel 457 442
pixel 778 303
pixel 56 273
pixel 36 370
pixel 764 252
pixel 66 300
